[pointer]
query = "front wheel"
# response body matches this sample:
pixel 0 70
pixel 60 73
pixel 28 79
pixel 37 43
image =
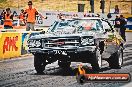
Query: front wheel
pixel 39 63
pixel 96 62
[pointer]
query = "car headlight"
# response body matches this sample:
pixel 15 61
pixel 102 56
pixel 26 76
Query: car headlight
pixel 34 43
pixel 31 43
pixel 38 43
pixel 87 41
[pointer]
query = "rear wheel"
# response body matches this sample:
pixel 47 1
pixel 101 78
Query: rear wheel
pixel 96 60
pixel 39 63
pixel 116 60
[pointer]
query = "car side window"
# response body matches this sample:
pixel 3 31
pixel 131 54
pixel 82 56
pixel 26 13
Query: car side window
pixel 98 25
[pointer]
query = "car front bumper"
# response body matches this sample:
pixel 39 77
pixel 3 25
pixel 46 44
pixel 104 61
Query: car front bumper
pixel 59 50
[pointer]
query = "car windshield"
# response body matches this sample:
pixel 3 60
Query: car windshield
pixel 88 25
pixel 78 24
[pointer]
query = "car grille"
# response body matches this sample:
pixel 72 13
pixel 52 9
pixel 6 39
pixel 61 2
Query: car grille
pixel 61 42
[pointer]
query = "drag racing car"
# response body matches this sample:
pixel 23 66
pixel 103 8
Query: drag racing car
pixel 87 40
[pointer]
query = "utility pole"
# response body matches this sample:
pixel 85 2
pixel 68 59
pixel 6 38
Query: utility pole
pixel 109 6
pixel 131 7
pixel 18 5
pixel 102 5
pixel 92 5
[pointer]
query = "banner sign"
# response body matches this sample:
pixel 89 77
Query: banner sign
pixel 10 45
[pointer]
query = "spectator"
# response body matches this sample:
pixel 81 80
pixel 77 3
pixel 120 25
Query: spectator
pixel 92 15
pixel 31 15
pixel 90 12
pixel 60 16
pixel 14 13
pixel 22 16
pixel 8 18
pixel 85 14
pixel 88 15
pixel 109 16
pixel 1 18
pixel 98 15
pixel 117 24
pixel 2 15
pixel 123 23
pixel 75 15
pixel 116 9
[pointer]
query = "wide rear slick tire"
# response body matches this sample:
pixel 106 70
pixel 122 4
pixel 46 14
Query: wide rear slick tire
pixel 39 63
pixel 116 60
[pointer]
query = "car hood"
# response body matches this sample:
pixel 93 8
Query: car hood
pixel 95 34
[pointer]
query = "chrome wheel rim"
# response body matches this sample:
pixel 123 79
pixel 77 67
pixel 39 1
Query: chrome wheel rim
pixel 98 55
pixel 120 58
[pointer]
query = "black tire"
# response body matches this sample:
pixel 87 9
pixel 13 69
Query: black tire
pixel 96 61
pixel 64 64
pixel 39 63
pixel 116 60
